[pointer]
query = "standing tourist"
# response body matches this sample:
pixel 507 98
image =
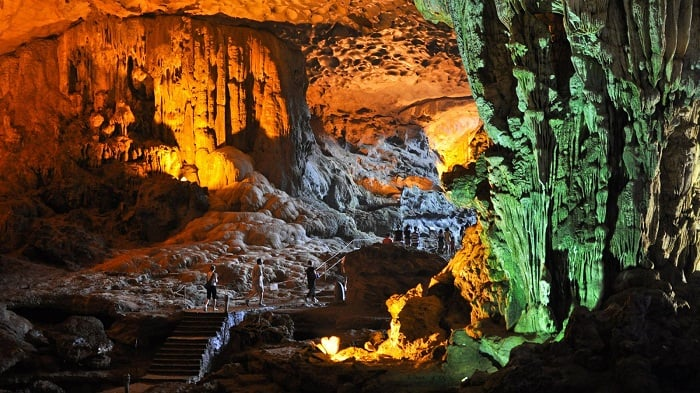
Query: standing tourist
pixel 449 241
pixel 407 235
pixel 210 285
pixel 257 283
pixel 415 238
pixel 440 241
pixel 311 276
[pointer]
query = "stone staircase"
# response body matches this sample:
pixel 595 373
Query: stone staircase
pixel 187 354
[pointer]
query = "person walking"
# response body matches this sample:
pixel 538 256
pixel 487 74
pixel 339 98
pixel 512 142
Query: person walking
pixel 210 285
pixel 311 276
pixel 257 283
pixel 440 241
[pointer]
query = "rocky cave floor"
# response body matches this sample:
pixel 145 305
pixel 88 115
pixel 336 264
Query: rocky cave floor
pixel 645 337
pixel 272 350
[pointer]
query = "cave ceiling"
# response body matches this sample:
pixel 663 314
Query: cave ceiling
pixel 380 63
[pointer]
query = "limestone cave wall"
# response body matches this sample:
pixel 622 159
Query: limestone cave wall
pixel 194 98
pixel 593 111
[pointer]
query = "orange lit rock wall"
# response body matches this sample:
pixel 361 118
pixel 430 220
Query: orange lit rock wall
pixel 170 93
pixel 24 20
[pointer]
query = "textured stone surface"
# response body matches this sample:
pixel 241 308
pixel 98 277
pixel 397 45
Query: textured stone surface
pixel 639 340
pixel 207 100
pixel 167 93
pixel 591 169
pixel 13 329
pixel 592 109
pixel 371 283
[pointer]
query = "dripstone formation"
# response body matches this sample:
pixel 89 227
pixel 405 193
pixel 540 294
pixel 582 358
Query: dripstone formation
pixel 592 107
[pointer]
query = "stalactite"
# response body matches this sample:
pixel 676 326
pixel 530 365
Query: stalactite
pixel 200 85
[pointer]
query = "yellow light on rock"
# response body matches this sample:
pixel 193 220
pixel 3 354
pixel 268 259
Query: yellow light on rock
pixel 329 345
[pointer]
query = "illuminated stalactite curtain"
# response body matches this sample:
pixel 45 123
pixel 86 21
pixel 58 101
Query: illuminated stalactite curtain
pixel 202 86
pixel 593 110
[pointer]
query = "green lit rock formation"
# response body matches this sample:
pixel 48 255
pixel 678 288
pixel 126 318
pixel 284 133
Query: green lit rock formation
pixel 593 109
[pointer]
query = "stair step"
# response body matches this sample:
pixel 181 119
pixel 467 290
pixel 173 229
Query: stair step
pixel 195 333
pixel 183 360
pixel 175 365
pixel 174 371
pixel 173 350
pixel 165 378
pixel 190 361
pixel 188 331
pixel 176 355
pixel 183 340
pixel 205 321
pixel 206 315
pixel 180 358
pixel 181 353
pixel 188 322
pixel 178 346
pixel 184 363
pixel 183 348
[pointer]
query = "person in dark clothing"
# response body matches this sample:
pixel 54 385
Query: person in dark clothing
pixel 441 241
pixel 398 235
pixel 210 286
pixel 311 277
pixel 407 235
pixel 415 238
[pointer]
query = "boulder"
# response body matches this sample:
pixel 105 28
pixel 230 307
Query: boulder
pixel 376 272
pixel 81 340
pixel 142 329
pixel 13 328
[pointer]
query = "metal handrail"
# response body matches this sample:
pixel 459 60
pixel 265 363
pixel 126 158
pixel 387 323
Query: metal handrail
pixel 182 288
pixel 347 245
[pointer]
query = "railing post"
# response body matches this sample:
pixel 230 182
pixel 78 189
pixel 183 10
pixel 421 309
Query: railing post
pixel 127 382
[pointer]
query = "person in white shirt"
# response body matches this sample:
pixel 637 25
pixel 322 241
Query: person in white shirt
pixel 257 281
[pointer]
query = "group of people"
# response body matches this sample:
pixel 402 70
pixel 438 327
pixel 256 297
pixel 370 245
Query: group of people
pixel 446 242
pixel 257 285
pixel 445 238
pixel 409 237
